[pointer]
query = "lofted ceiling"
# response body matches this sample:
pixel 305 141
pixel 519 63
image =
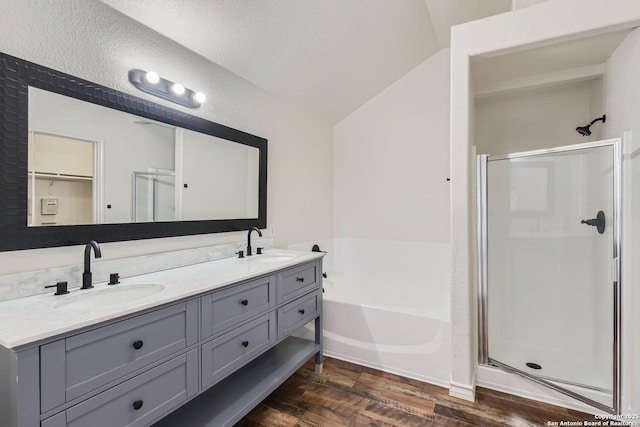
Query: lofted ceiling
pixel 326 56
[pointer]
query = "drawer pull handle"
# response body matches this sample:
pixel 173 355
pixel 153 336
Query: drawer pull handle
pixel 301 311
pixel 300 279
pixel 245 343
pixel 138 344
pixel 137 404
pixel 244 302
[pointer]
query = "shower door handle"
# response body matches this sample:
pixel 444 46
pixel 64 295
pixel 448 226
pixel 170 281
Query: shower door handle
pixel 597 222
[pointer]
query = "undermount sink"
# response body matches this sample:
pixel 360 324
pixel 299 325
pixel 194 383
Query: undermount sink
pixel 109 296
pixel 270 258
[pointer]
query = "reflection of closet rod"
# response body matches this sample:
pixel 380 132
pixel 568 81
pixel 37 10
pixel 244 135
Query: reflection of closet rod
pixel 134 191
pixel 61 176
pixel 154 173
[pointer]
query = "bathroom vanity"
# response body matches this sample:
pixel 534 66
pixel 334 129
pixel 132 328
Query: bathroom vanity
pixel 192 345
pixel 199 345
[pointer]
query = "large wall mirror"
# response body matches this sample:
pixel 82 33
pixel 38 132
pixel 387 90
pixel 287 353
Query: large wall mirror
pixel 82 161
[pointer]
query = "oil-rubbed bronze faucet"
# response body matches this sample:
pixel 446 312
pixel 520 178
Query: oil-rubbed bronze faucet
pixel 249 253
pixel 86 276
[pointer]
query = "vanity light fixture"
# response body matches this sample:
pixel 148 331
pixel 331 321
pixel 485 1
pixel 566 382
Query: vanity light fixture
pixel 199 97
pixel 152 77
pixel 177 88
pixel 150 82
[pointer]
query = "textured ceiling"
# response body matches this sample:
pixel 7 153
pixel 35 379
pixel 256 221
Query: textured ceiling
pixel 447 13
pixel 326 56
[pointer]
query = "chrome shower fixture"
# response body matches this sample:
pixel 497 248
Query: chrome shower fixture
pixel 585 131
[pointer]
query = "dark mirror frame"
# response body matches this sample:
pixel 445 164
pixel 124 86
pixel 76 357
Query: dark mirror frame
pixel 16 75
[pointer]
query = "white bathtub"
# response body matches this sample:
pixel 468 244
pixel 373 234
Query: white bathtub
pixel 396 323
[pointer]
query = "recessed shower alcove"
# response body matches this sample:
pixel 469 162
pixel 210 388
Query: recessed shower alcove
pixel 548 221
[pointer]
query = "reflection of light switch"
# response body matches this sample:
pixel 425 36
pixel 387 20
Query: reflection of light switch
pixel 49 206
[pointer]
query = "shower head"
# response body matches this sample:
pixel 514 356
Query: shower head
pixel 585 130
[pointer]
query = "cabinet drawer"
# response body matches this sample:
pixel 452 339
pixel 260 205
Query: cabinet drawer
pixel 224 309
pixel 297 281
pixel 139 401
pixel 298 313
pixel 74 366
pixel 225 354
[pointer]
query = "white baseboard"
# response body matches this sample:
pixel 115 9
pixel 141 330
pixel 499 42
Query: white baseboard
pixel 463 391
pixel 368 364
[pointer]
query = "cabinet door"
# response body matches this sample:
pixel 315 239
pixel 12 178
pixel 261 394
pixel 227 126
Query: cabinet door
pixel 139 401
pixel 79 364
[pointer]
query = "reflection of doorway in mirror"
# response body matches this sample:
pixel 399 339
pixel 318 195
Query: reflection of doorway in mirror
pixel 62 184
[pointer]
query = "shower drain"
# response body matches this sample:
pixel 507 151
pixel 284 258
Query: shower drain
pixel 533 365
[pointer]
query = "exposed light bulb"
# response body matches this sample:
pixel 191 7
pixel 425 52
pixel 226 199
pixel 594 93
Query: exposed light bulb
pixel 199 97
pixel 177 88
pixel 150 82
pixel 152 77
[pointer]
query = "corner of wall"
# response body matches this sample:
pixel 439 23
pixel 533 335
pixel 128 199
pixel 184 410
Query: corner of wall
pixel 463 391
pixel 622 100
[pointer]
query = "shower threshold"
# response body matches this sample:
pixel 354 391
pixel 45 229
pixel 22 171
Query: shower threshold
pixel 552 384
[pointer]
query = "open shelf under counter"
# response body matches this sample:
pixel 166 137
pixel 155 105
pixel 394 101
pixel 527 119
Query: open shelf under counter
pixel 228 401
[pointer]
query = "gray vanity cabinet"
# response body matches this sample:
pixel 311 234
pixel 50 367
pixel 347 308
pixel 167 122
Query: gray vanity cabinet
pixel 75 366
pixel 297 281
pixel 229 351
pixel 138 401
pixel 298 313
pixel 204 361
pixel 231 306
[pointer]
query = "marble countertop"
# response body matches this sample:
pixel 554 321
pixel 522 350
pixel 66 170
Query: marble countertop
pixel 30 319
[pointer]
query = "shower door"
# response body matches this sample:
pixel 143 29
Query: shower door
pixel 153 196
pixel 550 263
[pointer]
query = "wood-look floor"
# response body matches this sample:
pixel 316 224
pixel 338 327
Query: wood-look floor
pixel 351 395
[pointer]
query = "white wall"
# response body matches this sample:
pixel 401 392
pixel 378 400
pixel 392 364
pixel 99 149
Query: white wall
pixel 92 41
pixel 545 23
pixel 519 4
pixel 391 206
pixel 623 108
pixel 537 118
pixel 216 172
pixel 392 160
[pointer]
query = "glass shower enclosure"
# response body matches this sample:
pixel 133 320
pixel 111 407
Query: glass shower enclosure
pixel 549 268
pixel 153 195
